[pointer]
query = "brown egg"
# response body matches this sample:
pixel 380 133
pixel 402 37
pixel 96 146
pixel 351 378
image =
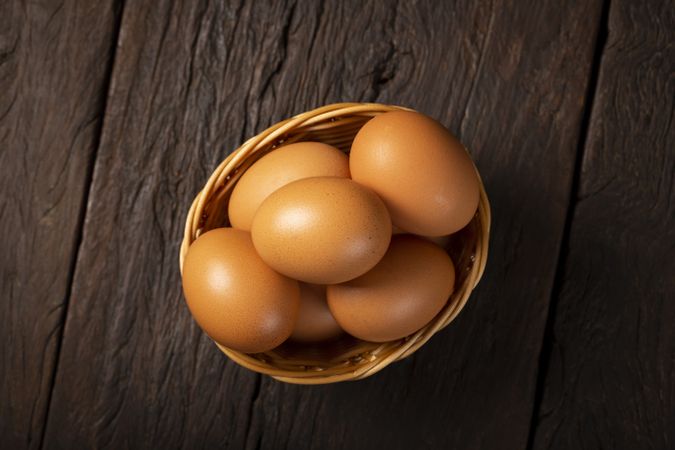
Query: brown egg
pixel 400 295
pixel 315 323
pixel 322 230
pixel 421 171
pixel 278 168
pixel 237 299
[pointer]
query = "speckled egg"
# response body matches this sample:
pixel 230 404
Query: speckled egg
pixel 315 323
pixel 237 299
pixel 421 171
pixel 400 295
pixel 322 230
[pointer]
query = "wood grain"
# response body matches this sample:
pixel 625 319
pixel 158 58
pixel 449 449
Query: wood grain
pixel 191 81
pixel 610 381
pixel 54 69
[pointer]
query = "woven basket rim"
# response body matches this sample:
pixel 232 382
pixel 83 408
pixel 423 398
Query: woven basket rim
pixel 334 124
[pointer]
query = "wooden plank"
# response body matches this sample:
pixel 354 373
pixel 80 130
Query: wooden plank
pixel 192 80
pixel 611 374
pixel 54 71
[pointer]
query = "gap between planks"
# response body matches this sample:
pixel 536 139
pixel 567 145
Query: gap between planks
pixel 547 343
pixel 89 176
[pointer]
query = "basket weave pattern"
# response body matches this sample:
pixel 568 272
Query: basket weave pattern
pixel 336 125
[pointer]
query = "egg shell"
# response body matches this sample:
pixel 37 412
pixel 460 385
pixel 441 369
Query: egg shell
pixel 315 323
pixel 278 168
pixel 322 230
pixel 400 295
pixel 237 299
pixel 421 171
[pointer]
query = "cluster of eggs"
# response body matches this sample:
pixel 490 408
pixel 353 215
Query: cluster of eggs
pixel 322 243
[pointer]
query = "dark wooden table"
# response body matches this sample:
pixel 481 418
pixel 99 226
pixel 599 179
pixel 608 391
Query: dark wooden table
pixel 114 113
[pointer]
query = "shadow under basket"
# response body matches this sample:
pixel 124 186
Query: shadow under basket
pixel 347 358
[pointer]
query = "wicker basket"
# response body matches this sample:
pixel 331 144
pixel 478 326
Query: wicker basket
pixel 349 358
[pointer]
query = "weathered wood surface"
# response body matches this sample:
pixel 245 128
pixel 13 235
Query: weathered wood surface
pixel 54 70
pixel 610 380
pixel 191 81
